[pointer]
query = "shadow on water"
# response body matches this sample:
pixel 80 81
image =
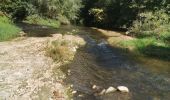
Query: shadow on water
pixel 99 64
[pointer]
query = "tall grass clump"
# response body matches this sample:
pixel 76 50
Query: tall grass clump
pixel 7 29
pixel 60 51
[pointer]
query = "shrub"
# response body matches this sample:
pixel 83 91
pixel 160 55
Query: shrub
pixel 151 24
pixel 17 9
pixel 97 13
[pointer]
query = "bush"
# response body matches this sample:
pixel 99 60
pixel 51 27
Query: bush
pixel 54 8
pixel 7 29
pixel 151 24
pixel 17 9
pixel 98 14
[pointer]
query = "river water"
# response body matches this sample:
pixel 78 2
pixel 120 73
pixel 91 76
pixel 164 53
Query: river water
pixel 99 64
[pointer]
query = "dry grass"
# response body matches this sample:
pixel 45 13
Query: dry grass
pixel 60 51
pixel 64 49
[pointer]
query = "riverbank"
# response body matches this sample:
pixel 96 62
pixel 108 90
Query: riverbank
pixel 10 30
pixel 26 72
pixel 149 46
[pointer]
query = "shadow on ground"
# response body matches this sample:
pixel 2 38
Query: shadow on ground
pixel 34 30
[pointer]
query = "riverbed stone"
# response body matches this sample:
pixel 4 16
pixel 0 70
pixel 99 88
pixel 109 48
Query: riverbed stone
pixel 123 89
pixel 95 87
pixel 102 92
pixel 74 92
pixel 110 90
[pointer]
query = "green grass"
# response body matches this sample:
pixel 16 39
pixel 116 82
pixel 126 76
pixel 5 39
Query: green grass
pixel 7 29
pixel 35 19
pixel 150 46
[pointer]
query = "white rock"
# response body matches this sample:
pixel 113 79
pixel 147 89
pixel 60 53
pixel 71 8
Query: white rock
pixel 95 87
pixel 74 92
pixel 74 49
pixel 102 92
pixel 80 95
pixel 123 89
pixel 110 90
pixel 71 86
pixel 127 32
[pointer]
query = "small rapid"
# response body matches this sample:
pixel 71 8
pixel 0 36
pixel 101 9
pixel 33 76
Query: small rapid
pixel 97 63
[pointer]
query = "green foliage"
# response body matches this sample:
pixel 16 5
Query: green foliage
pixel 55 8
pixel 98 14
pixel 151 24
pixel 7 29
pixel 17 9
pixel 120 13
pixel 20 9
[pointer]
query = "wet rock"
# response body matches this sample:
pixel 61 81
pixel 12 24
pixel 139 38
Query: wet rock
pixel 110 90
pixel 123 89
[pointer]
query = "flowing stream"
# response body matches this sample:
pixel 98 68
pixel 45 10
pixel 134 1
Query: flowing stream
pixel 99 64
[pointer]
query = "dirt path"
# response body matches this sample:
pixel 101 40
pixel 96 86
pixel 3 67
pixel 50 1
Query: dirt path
pixel 25 71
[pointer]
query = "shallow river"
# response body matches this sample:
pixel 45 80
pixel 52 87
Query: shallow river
pixel 99 64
